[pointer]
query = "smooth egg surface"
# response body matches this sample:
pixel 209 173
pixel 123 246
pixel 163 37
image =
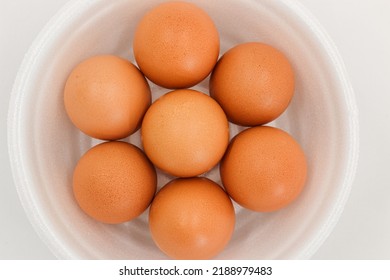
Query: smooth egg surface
pixel 185 133
pixel 253 82
pixel 176 44
pixel 106 96
pixel 114 182
pixel 191 219
pixel 264 169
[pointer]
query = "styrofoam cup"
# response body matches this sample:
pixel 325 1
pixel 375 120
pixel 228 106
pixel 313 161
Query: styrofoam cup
pixel 44 146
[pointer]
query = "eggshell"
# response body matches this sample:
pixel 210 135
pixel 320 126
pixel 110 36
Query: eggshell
pixel 191 219
pixel 176 44
pixel 114 182
pixel 253 82
pixel 185 133
pixel 264 169
pixel 106 97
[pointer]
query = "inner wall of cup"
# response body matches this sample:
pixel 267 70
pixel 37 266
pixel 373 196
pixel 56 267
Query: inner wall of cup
pixel 311 118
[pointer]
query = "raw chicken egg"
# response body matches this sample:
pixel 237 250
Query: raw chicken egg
pixel 253 83
pixel 191 219
pixel 106 97
pixel 264 169
pixel 176 44
pixel 114 182
pixel 185 133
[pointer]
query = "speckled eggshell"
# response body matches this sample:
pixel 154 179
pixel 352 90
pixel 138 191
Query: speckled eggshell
pixel 185 133
pixel 264 169
pixel 191 219
pixel 176 44
pixel 253 82
pixel 106 97
pixel 114 182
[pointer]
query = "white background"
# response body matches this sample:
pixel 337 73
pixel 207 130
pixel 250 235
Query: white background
pixel 360 30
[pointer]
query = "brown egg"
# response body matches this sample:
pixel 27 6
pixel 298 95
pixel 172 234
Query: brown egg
pixel 106 97
pixel 253 83
pixel 176 44
pixel 185 133
pixel 114 182
pixel 191 219
pixel 264 169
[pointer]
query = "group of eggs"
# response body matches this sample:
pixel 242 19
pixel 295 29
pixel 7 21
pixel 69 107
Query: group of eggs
pixel 184 133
